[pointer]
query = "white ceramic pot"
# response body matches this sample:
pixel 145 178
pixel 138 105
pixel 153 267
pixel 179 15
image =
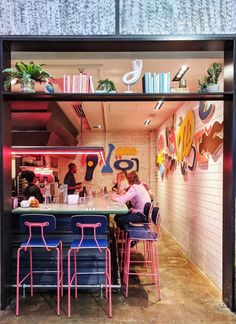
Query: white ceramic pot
pixel 213 88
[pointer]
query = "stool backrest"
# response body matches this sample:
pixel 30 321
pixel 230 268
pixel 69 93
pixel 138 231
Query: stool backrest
pixel 147 208
pixel 156 219
pixel 99 221
pixel 37 221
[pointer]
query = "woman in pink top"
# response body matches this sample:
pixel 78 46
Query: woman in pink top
pixel 138 195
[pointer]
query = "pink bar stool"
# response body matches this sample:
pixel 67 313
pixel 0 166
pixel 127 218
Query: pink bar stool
pixel 36 225
pixel 147 211
pixel 89 227
pixel 150 239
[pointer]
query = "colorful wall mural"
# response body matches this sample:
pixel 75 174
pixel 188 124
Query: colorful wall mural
pixel 121 164
pixel 182 146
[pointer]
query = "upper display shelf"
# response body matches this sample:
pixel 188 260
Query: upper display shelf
pixel 18 96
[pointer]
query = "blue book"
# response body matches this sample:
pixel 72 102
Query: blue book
pixel 156 82
pixel 150 82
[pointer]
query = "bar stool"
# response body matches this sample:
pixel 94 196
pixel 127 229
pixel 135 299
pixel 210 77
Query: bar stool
pixel 149 237
pixel 36 225
pixel 147 211
pixel 89 227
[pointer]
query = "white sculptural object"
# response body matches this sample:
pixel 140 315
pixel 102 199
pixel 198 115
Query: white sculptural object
pixel 132 76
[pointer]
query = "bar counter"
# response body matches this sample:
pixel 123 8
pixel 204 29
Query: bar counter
pixel 98 206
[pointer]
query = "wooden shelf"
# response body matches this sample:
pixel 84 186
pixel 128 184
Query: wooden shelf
pixel 40 96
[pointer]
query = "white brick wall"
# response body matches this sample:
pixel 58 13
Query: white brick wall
pixel 143 141
pixel 192 209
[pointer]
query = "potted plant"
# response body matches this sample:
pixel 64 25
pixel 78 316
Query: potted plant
pixel 26 75
pixel 210 82
pixel 106 86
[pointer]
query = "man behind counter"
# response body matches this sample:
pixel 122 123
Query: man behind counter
pixel 70 179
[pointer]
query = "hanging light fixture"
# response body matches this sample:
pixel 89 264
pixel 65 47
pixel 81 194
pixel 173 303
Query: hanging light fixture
pixel 57 150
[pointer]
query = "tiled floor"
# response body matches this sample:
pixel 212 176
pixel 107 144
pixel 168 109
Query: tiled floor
pixel 187 297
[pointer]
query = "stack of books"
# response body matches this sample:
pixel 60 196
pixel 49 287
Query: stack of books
pixel 156 82
pixel 179 90
pixel 81 83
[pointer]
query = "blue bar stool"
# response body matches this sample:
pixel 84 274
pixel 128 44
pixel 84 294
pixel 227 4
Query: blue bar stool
pixel 36 225
pixel 89 227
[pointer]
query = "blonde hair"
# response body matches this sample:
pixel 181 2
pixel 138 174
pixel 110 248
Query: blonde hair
pixel 121 176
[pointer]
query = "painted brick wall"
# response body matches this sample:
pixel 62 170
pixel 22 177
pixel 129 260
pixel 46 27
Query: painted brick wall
pixel 144 143
pixel 191 208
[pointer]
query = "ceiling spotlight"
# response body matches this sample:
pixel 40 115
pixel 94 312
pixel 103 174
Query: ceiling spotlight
pixel 158 105
pixel 147 122
pixel 97 126
pixel 183 69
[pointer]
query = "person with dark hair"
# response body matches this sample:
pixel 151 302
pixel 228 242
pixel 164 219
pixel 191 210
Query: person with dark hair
pixel 31 190
pixel 70 179
pixel 138 195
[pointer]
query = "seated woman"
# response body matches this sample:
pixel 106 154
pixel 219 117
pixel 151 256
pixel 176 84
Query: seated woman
pixel 121 184
pixel 138 195
pixel 31 189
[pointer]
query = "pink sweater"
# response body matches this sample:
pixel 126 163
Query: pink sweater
pixel 137 195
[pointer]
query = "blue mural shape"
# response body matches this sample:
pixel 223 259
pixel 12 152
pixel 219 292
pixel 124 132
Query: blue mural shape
pixel 107 168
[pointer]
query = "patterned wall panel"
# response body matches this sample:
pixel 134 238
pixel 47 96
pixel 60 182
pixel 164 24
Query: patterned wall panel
pixel 178 17
pixel 57 17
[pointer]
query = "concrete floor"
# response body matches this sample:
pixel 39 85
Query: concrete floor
pixel 187 297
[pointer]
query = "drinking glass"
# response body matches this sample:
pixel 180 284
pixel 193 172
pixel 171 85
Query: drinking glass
pixel 82 201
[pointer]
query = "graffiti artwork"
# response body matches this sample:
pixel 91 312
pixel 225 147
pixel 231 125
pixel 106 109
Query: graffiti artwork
pixel 206 111
pixel 126 151
pixel 91 163
pixel 121 164
pixel 211 140
pixel 190 148
pixel 160 143
pixel 107 168
pixel 185 136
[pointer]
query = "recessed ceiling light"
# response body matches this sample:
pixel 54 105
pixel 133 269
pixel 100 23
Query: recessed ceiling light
pixel 97 126
pixel 183 69
pixel 158 105
pixel 147 122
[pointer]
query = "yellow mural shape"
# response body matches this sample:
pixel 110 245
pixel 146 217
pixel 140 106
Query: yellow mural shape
pixel 126 151
pixel 160 158
pixel 185 136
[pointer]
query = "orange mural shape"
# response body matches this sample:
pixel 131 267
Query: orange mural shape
pixel 125 151
pixel 211 140
pixel 197 140
pixel 185 136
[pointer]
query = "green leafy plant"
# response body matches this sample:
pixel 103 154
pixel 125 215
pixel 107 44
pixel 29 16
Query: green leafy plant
pixel 211 78
pixel 24 72
pixel 214 72
pixel 202 84
pixel 106 85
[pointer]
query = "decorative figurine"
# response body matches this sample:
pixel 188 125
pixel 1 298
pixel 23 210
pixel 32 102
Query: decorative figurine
pixel 49 87
pixel 132 76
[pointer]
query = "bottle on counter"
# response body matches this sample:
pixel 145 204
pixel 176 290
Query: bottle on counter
pixel 47 193
pixel 83 193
